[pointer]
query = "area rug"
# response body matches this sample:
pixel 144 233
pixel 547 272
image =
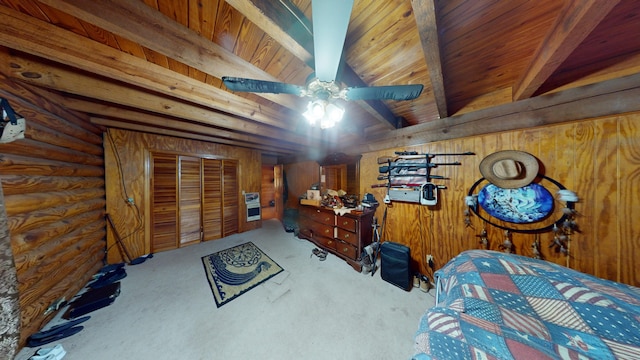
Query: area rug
pixel 234 271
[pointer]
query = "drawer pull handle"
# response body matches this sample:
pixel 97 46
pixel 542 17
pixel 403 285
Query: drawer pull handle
pixel 345 222
pixel 346 236
pixel 345 250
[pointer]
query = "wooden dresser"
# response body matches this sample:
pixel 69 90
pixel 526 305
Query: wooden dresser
pixel 343 235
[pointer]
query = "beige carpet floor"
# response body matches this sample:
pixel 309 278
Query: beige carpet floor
pixel 312 310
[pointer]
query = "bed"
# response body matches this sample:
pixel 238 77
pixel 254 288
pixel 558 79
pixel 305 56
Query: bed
pixel 493 305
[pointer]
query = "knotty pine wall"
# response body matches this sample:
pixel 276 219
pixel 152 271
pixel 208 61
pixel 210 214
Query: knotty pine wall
pixel 132 180
pixel 599 159
pixel 53 182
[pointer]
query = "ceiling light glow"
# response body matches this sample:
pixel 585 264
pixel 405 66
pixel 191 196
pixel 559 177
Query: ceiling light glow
pixel 328 114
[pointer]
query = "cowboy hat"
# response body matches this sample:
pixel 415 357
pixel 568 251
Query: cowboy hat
pixel 509 169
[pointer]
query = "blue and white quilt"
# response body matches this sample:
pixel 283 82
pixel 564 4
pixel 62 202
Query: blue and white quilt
pixel 493 305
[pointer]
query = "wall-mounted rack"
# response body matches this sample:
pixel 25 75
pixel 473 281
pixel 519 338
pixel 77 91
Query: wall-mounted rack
pixel 408 176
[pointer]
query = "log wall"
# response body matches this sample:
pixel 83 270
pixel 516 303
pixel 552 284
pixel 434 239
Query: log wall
pixel 53 182
pixel 599 159
pixel 127 164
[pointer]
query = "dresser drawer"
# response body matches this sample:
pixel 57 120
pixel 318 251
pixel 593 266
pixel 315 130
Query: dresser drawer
pixel 325 242
pixel 319 215
pixel 307 210
pixel 346 249
pixel 347 236
pixel 347 223
pixel 318 229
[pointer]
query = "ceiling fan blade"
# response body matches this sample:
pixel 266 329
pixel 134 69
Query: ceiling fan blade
pixel 330 22
pixel 260 86
pixel 391 92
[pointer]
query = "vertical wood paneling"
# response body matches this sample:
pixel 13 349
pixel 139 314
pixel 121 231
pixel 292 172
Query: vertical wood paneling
pixel 605 201
pixel 582 255
pixel 300 177
pixel 278 190
pixel 133 149
pixel 55 202
pixel 629 195
pixel 599 159
pixel 547 145
pixel 268 193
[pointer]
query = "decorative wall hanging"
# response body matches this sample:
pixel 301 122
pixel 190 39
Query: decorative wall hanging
pixel 507 244
pixel 523 205
pixel 511 201
pixel 535 247
pixel 484 240
pixel 566 213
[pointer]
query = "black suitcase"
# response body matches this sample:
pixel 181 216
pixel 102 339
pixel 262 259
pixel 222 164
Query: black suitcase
pixel 93 299
pixel 395 264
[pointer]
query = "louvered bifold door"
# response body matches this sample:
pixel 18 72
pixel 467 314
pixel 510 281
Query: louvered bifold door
pixel 164 194
pixel 211 199
pixel 190 208
pixel 230 202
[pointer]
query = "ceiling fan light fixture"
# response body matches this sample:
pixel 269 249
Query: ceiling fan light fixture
pixel 315 111
pixel 334 112
pixel 328 114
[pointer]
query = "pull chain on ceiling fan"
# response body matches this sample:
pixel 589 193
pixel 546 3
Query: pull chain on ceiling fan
pixel 330 23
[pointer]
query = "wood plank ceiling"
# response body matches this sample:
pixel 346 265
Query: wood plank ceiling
pixel 155 65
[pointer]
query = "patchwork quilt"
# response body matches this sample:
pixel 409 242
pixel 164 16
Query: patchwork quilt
pixel 493 305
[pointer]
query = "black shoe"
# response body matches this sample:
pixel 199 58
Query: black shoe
pixel 55 337
pixel 58 328
pixel 109 278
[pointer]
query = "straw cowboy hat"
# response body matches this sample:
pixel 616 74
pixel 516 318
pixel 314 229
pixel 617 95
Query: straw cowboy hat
pixel 509 169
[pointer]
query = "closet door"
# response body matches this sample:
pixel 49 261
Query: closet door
pixel 211 199
pixel 190 204
pixel 230 202
pixel 164 220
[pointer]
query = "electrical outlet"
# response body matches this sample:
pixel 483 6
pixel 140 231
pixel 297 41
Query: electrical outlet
pixel 430 260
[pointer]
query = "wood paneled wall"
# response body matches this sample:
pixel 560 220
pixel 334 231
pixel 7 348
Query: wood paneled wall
pixel 599 159
pixel 53 181
pixel 268 193
pixel 300 176
pixel 127 164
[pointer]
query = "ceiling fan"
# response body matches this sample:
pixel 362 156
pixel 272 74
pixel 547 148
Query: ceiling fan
pixel 330 22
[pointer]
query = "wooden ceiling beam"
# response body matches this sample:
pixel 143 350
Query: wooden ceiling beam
pixel 151 129
pixel 24 33
pixel 427 21
pixel 57 77
pixel 574 23
pixel 114 112
pixel 29 95
pixel 284 22
pixel 150 28
pixel 606 98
